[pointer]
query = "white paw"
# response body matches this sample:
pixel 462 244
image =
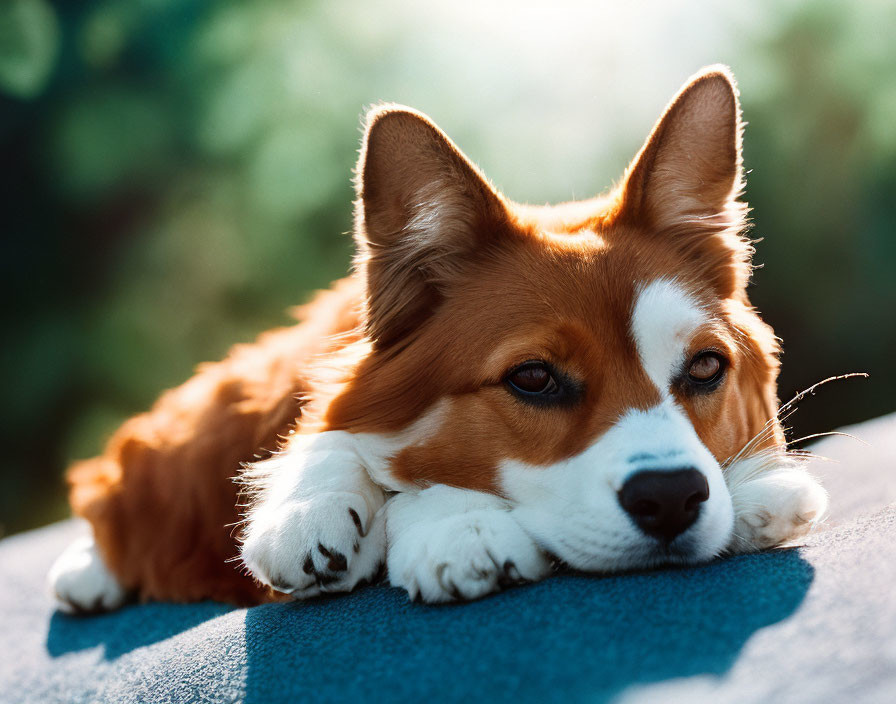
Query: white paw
pixel 328 543
pixel 775 508
pixel 460 556
pixel 81 582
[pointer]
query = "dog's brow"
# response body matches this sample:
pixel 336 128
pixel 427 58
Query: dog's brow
pixel 663 317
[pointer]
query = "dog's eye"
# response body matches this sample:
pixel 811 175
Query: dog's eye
pixel 537 383
pixel 533 378
pixel 706 369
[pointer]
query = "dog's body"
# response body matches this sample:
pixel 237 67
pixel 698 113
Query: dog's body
pixel 587 381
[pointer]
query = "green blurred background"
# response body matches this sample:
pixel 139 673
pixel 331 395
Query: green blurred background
pixel 176 173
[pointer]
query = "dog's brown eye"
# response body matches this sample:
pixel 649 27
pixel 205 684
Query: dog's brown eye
pixel 538 383
pixel 706 368
pixel 533 378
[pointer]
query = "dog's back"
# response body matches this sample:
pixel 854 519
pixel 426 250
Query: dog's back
pixel 162 499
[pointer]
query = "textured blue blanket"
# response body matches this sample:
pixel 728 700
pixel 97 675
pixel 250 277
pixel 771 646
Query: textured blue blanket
pixel 817 623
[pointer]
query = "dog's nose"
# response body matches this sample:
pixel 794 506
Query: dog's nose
pixel 664 503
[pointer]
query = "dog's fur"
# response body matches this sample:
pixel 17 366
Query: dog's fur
pixel 398 377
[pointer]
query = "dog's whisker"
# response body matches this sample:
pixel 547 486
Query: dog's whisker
pixel 829 433
pixel 812 389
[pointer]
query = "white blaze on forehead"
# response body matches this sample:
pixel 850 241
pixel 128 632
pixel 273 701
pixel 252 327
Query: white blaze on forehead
pixel 663 319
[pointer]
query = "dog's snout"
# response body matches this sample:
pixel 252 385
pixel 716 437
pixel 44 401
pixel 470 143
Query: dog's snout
pixel 664 503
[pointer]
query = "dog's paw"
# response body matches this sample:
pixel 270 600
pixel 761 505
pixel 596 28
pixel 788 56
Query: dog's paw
pixel 463 556
pixel 328 543
pixel 80 581
pixel 776 508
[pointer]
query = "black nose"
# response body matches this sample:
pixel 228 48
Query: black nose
pixel 664 503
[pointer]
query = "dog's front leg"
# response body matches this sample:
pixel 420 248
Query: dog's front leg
pixel 773 503
pixel 315 525
pixel 447 543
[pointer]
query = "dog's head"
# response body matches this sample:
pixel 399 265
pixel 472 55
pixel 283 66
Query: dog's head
pixel 597 362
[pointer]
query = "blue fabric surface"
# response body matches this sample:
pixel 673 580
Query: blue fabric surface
pixel 813 624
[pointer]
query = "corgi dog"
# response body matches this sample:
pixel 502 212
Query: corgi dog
pixel 496 388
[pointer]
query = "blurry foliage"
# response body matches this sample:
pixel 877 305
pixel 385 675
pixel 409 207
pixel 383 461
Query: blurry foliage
pixel 821 144
pixel 177 173
pixel 29 39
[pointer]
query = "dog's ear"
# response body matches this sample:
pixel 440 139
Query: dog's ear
pixel 686 180
pixel 422 208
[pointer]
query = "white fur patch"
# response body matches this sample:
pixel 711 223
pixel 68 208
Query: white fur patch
pixel 775 501
pixel 571 508
pixel 663 319
pixel 313 529
pixel 375 451
pixel 317 525
pixel 80 581
pixel 447 543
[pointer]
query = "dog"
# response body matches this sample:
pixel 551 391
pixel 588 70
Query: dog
pixel 496 388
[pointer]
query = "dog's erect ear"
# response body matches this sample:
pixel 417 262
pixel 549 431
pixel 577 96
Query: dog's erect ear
pixel 422 208
pixel 690 165
pixel 686 180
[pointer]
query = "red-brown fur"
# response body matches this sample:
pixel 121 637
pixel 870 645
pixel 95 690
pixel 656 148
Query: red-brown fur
pixel 421 323
pixel 162 499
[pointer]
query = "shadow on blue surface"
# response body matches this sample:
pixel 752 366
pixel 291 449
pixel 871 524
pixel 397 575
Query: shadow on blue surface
pixel 571 637
pixel 123 631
